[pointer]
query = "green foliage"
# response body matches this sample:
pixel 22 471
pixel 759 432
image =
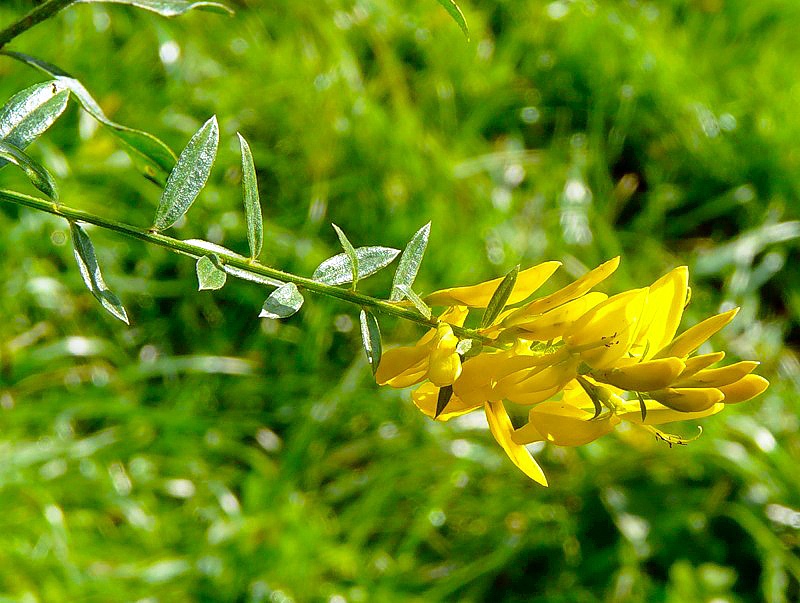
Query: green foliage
pixel 38 175
pixel 189 175
pixel 283 302
pixel 206 455
pixel 252 203
pixel 209 274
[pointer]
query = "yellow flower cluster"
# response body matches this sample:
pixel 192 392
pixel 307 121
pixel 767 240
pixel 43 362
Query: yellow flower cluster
pixel 581 361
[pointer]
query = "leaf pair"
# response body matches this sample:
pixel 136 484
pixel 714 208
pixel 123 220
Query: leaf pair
pixel 26 116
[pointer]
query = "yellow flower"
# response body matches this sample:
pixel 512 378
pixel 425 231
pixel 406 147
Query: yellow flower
pixel 503 431
pixel 434 357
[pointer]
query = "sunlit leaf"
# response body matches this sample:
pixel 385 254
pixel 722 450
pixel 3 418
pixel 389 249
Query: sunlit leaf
pixel 252 204
pixel 415 299
pixel 167 8
pixel 189 175
pixel 410 260
pixel 350 252
pixel 30 112
pixel 500 297
pixel 371 338
pixel 37 174
pixel 209 274
pixel 283 302
pixel 452 8
pixel 155 153
pixel 90 271
pixel 246 275
pixel 338 269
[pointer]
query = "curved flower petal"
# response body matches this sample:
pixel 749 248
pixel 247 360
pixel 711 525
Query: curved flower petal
pixel 502 430
pixel 566 425
pixel 658 414
pixel 688 399
pixel 663 311
pixel 643 376
pixel 745 388
pixel 400 364
pixel 575 289
pixel 605 333
pixel 688 341
pixel 444 364
pixel 426 396
pixel 478 296
pixel 719 376
pixel 551 324
pixel 698 363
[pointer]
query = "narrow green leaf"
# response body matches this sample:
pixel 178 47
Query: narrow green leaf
pixel 415 299
pixel 452 8
pixel 283 302
pixel 445 393
pixel 37 174
pixel 500 297
pixel 642 405
pixel 338 269
pixel 371 338
pixel 351 254
pixel 246 275
pixel 30 112
pixel 90 271
pixel 167 8
pixel 189 175
pixel 409 263
pixel 156 154
pixel 209 274
pixel 252 203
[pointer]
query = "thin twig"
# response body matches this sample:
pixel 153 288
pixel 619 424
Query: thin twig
pixel 36 16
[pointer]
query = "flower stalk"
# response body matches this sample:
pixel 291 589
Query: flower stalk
pixel 34 17
pixel 252 266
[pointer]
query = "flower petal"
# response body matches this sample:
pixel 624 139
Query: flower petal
pixel 605 333
pixel 688 399
pixel 658 414
pixel 688 341
pixel 502 430
pixel 643 376
pixel 426 397
pixel 745 388
pixel 571 291
pixel 698 363
pixel 444 364
pixel 566 425
pixel 478 296
pixel 719 376
pixel 663 311
pixel 398 365
pixel 552 323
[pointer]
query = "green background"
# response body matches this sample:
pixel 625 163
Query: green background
pixel 204 454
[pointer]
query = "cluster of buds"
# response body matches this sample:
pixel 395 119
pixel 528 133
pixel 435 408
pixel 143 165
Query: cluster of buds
pixel 580 362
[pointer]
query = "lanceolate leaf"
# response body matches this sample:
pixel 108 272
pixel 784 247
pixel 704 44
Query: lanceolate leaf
pixel 500 297
pixel 415 299
pixel 154 152
pixel 189 175
pixel 166 8
pixel 371 338
pixel 283 302
pixel 39 176
pixel 451 7
pixel 209 274
pixel 90 271
pixel 30 112
pixel 409 262
pixel 350 252
pixel 252 204
pixel 338 269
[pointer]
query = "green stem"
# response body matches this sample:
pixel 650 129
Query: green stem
pixel 36 16
pixel 240 262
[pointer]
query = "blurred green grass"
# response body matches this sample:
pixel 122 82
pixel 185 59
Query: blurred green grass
pixel 206 455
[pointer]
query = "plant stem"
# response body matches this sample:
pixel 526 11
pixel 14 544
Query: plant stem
pixel 235 261
pixel 36 16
